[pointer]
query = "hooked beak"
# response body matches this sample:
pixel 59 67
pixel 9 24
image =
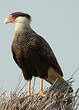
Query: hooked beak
pixel 6 20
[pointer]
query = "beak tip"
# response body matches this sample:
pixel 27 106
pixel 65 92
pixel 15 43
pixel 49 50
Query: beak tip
pixel 6 21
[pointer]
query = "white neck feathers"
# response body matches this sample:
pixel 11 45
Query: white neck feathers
pixel 21 24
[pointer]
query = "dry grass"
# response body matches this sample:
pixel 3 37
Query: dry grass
pixel 57 98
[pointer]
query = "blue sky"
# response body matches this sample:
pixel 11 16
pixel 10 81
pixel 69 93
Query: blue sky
pixel 56 20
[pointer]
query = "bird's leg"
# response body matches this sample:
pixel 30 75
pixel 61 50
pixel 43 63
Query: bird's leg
pixel 29 87
pixel 41 93
pixel 41 85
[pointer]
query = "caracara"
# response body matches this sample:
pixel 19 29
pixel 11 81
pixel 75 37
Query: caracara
pixel 32 53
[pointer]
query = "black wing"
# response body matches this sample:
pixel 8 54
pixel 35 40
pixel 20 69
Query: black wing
pixel 14 56
pixel 47 54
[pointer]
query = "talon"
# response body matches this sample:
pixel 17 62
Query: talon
pixel 42 93
pixel 28 94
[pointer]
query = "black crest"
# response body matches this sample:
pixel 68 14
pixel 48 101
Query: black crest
pixel 18 14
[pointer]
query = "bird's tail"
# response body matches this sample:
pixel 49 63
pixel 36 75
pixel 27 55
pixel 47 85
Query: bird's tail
pixel 54 77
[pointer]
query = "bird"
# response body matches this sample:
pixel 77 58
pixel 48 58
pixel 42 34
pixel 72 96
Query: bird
pixel 32 53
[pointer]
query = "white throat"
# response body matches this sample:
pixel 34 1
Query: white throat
pixel 21 24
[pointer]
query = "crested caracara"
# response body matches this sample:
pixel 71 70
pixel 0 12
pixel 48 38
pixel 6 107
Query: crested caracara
pixel 32 53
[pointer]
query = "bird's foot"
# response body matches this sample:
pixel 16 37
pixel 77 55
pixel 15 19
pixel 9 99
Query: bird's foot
pixel 41 93
pixel 28 93
pixel 31 93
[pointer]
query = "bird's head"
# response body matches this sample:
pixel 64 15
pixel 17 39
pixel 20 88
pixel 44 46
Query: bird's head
pixel 18 17
pixel 21 20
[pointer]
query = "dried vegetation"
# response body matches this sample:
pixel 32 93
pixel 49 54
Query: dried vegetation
pixel 57 97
